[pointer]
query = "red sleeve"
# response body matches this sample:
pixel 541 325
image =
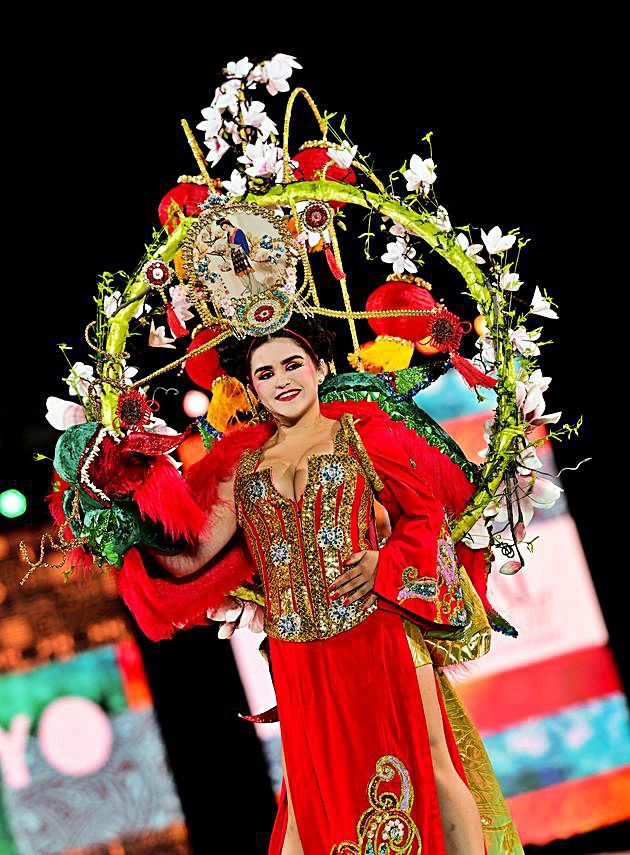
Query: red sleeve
pixel 418 568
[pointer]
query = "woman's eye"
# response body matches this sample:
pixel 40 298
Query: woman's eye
pixel 294 365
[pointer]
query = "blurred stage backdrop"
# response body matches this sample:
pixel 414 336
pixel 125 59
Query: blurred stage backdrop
pixel 84 767
pixel 83 761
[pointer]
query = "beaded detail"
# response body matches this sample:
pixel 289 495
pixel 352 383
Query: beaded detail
pixel 299 546
pixel 445 590
pixel 387 826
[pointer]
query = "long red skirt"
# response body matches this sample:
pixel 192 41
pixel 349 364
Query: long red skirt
pixel 355 743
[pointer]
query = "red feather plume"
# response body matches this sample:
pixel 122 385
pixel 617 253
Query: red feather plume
pixel 164 497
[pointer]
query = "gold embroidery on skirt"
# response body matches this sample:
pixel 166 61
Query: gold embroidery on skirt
pixel 386 827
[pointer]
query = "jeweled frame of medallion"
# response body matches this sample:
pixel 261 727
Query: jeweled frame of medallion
pixel 251 278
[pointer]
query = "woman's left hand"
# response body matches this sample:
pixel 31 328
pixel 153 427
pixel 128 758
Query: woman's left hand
pixel 358 579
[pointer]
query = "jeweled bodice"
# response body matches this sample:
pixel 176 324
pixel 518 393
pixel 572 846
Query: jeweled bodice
pixel 299 546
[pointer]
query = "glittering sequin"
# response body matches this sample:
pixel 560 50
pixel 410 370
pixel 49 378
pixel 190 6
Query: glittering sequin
pixel 425 588
pixel 332 472
pixel 330 537
pixel 289 625
pixel 279 552
pixel 255 489
pixel 340 613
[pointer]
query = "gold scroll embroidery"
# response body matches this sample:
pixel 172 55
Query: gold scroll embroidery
pixel 387 826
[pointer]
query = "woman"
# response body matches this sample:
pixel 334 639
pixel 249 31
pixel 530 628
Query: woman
pixel 370 757
pixel 239 253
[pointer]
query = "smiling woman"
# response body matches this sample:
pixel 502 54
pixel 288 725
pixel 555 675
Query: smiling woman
pixel 378 755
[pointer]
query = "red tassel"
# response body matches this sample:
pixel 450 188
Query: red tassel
pixel 177 328
pixel 472 375
pixel 336 271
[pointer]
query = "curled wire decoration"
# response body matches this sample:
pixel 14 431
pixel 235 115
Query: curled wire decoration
pixel 57 543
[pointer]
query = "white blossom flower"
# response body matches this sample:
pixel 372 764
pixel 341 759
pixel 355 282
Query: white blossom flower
pixel 212 122
pixel 399 255
pixel 217 147
pixel 471 249
pixel 441 220
pixel 129 372
pixel 225 97
pixel 111 303
pixel 509 282
pixel 421 174
pixel 527 459
pixel 262 158
pixel 79 379
pixel 240 68
pixel 181 303
pixel 232 128
pixel 524 341
pixel 343 157
pixel 61 414
pixel 254 116
pixel 236 613
pixel 541 306
pixel 275 72
pixel 532 491
pixel 478 537
pixel 159 338
pixel 486 358
pixel 530 401
pixel 495 241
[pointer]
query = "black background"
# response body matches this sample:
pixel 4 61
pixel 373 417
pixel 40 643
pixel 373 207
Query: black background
pixel 96 144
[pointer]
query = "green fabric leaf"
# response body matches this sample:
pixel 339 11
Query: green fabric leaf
pixel 70 446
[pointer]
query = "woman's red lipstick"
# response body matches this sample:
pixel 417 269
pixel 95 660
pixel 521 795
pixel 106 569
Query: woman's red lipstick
pixel 288 395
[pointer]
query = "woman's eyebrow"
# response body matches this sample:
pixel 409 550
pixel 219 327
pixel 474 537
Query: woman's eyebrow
pixel 284 362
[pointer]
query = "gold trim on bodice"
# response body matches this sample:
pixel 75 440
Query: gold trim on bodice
pixel 298 546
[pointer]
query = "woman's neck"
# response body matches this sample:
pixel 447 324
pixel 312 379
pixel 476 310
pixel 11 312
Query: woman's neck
pixel 309 422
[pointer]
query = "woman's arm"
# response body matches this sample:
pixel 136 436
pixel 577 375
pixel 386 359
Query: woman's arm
pixel 218 530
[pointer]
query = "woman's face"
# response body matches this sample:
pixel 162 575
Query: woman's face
pixel 285 378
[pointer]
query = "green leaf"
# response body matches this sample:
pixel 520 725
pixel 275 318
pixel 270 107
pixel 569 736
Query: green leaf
pixel 343 125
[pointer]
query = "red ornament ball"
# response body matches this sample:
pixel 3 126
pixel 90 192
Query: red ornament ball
pixel 186 198
pixel 311 160
pixel 400 295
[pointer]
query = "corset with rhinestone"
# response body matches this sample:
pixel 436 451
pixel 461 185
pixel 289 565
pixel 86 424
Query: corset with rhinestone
pixel 299 546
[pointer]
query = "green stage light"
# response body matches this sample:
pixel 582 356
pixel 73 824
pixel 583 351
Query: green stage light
pixel 12 504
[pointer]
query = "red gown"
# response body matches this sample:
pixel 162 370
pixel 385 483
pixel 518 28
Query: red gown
pixel 350 710
pixel 353 732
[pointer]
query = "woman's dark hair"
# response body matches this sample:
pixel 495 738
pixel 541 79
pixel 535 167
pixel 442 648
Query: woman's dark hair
pixel 233 352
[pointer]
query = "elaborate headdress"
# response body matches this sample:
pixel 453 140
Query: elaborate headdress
pixel 287 203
